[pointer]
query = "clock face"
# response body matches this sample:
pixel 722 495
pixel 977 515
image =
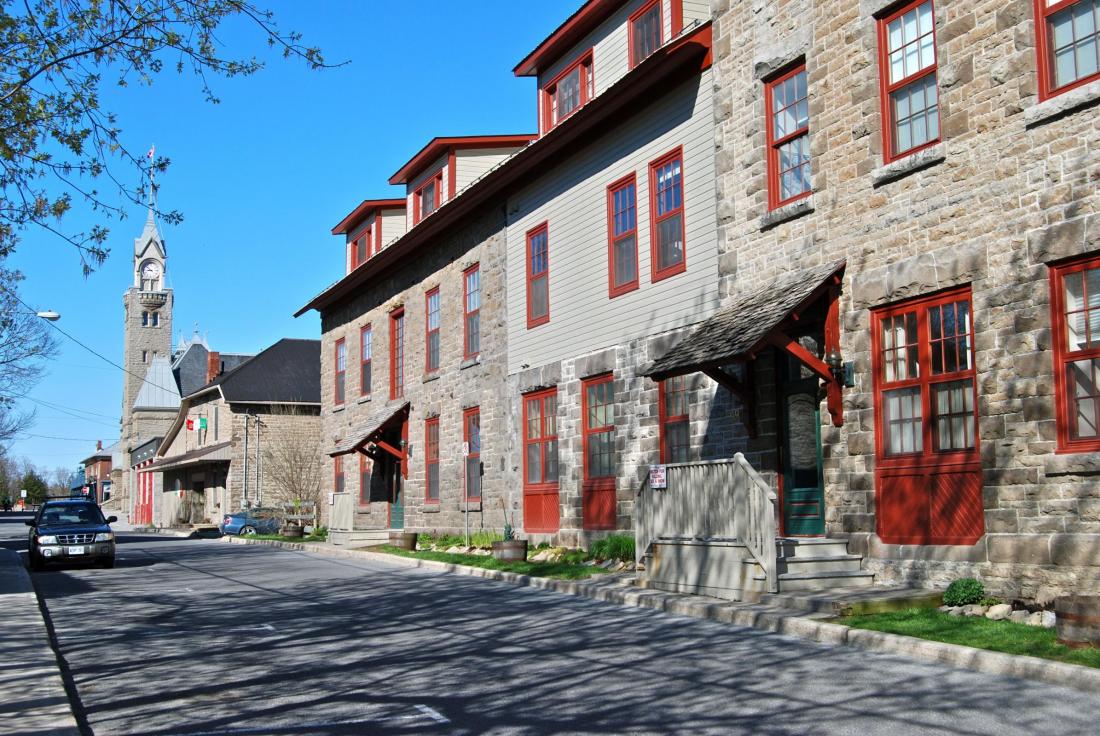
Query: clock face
pixel 150 270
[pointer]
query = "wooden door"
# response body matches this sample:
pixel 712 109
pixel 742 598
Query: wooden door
pixel 800 429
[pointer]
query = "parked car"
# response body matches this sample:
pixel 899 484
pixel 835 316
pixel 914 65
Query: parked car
pixel 252 521
pixel 66 531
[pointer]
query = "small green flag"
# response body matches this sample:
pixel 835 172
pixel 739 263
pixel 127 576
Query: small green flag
pixel 202 422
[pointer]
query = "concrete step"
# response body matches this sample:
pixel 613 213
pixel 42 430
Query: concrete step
pixel 847 601
pixel 359 537
pixel 825 580
pixel 811 546
pixel 825 563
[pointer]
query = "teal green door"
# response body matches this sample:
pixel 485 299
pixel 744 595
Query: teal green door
pixel 397 506
pixel 800 427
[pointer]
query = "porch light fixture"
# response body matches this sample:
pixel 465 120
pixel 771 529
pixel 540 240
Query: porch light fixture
pixel 835 361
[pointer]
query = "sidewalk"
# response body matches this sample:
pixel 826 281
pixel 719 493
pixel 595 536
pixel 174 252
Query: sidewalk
pixel 807 624
pixel 33 696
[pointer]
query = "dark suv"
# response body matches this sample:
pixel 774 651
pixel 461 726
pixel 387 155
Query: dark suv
pixel 71 531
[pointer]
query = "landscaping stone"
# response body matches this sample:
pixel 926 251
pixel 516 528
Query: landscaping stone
pixel 945 609
pixel 1049 619
pixel 998 612
pixel 1035 619
pixel 1019 617
pixel 954 611
pixel 974 609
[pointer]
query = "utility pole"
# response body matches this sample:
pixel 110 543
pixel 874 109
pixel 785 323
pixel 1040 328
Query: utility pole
pixel 259 466
pixel 244 491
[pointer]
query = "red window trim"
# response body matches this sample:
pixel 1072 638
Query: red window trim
pixel 396 390
pixel 467 312
pixel 543 439
pixel 600 482
pixel 660 25
pixel 435 180
pixel 587 82
pixel 663 419
pixel 1063 356
pixel 656 274
pixel 431 461
pixel 612 290
pixel 364 488
pixel 541 320
pixel 928 456
pixel 773 144
pixel 466 414
pixel 1045 64
pixel 886 89
pixel 428 367
pixel 339 481
pixel 364 390
pixel 340 376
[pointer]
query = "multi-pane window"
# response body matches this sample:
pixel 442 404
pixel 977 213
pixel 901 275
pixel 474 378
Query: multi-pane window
pixel 538 276
pixel 431 459
pixel 666 186
pixel 338 473
pixel 471 323
pixel 622 253
pixel 366 335
pixel 675 428
pixel 788 121
pixel 364 480
pixel 907 39
pixel 540 438
pixel 645 32
pixel 471 436
pixel 1068 43
pixel 1075 291
pixel 340 357
pixel 431 326
pixel 427 198
pixel 599 428
pixel 568 92
pixel 360 249
pixel 924 375
pixel 397 353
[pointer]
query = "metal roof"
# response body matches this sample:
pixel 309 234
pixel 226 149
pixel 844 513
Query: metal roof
pixel 158 389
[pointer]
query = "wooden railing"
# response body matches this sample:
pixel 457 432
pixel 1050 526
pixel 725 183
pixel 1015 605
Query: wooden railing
pixel 343 511
pixel 717 498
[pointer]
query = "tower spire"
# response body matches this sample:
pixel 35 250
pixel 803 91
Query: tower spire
pixel 151 155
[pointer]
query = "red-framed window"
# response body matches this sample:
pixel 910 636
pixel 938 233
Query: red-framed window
pixel 675 428
pixel 538 276
pixel 598 415
pixel 360 248
pixel 907 64
pixel 787 111
pixel 431 460
pixel 471 438
pixel 622 236
pixel 926 409
pixel 568 92
pixel 1068 44
pixel 431 331
pixel 471 305
pixel 541 510
pixel 376 228
pixel 666 215
pixel 366 336
pixel 427 197
pixel 397 353
pixel 340 356
pixel 364 480
pixel 338 473
pixel 646 31
pixel 1075 319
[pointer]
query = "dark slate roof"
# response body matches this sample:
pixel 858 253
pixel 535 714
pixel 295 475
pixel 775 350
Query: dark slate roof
pixel 365 431
pixel 219 453
pixel 287 372
pixel 740 327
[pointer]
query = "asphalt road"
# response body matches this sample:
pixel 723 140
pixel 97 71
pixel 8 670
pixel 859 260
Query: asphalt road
pixel 188 636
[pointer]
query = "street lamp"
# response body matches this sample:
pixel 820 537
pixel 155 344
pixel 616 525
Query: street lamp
pixel 49 315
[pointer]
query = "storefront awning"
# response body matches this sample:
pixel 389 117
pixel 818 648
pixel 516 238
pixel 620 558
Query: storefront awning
pixel 369 431
pixel 219 453
pixel 756 319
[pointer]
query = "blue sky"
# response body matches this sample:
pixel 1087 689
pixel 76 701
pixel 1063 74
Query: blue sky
pixel 262 177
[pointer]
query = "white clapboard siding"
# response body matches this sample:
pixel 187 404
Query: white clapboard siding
pixel 472 163
pixel 393 226
pixel 572 199
pixel 695 10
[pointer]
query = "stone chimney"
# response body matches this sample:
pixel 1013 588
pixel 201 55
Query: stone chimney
pixel 213 365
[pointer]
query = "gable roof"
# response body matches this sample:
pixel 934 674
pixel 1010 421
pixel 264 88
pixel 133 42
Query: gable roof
pixel 575 27
pixel 288 372
pixel 440 145
pixel 363 211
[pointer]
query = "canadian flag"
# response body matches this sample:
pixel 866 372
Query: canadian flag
pixel 190 425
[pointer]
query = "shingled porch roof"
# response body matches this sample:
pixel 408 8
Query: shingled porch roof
pixel 368 430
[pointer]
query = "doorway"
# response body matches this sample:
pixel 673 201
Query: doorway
pixel 802 473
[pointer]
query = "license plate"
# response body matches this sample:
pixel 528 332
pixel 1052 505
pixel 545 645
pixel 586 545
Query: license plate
pixel 76 550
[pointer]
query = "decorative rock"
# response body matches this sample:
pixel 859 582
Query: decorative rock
pixel 1035 619
pixel 1018 617
pixel 998 612
pixel 954 611
pixel 974 609
pixel 1049 619
pixel 945 609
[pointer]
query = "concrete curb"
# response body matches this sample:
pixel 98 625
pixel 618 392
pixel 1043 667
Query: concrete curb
pixel 34 692
pixel 617 589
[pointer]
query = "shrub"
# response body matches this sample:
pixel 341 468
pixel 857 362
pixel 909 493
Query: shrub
pixel 484 538
pixel 963 592
pixel 615 547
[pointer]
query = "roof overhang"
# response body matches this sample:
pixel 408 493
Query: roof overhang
pixel 219 453
pixel 367 432
pixel 439 146
pixel 363 211
pixel 669 65
pixel 567 35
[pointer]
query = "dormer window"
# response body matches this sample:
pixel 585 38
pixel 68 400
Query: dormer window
pixel 645 32
pixel 360 250
pixel 569 91
pixel 427 198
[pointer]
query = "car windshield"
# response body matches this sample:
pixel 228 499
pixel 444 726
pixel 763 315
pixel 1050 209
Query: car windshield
pixel 74 514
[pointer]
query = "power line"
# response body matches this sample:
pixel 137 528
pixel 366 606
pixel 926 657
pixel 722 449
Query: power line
pixel 64 439
pixel 64 408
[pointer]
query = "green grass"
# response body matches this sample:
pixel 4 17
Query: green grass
pixel 614 547
pixel 280 538
pixel 560 570
pixel 975 631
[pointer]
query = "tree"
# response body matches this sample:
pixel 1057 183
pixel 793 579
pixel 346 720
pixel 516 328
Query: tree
pixel 57 142
pixel 25 344
pixel 36 488
pixel 292 456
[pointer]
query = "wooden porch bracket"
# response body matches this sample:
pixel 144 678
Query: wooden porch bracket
pixel 390 449
pixel 743 392
pixel 834 396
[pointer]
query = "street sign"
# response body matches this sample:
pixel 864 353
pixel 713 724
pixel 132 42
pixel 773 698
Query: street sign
pixel 658 477
pixel 22 494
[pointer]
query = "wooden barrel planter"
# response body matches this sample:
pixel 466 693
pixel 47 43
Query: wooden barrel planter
pixel 403 540
pixel 291 531
pixel 513 550
pixel 1077 620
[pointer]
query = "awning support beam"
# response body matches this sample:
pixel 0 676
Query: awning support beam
pixel 743 392
pixel 390 449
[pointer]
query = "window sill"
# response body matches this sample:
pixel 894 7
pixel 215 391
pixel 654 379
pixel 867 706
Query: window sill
pixel 339 408
pixel 430 507
pixel 787 212
pixel 910 164
pixel 363 399
pixel 429 377
pixel 1062 104
pixel 1072 462
pixel 469 363
pixel 470 506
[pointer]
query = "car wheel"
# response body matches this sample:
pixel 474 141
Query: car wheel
pixel 34 562
pixel 248 531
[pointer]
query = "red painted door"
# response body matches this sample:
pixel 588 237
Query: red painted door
pixel 598 507
pixel 541 509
